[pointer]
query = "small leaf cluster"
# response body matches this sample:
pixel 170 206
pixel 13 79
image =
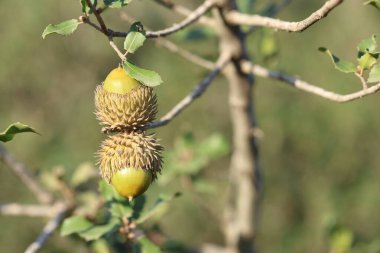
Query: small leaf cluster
pixel 367 57
pixel 118 222
pixel 134 39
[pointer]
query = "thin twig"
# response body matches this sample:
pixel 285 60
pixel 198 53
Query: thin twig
pixel 184 11
pixel 174 48
pixel 238 18
pixel 98 17
pixel 48 230
pixel 189 99
pixel 362 80
pixel 191 18
pixel 307 87
pixel 21 171
pixel 28 210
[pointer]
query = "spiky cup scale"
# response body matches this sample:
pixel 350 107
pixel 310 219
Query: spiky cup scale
pixel 129 159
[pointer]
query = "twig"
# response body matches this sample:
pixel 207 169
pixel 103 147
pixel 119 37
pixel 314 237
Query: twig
pixel 183 11
pixel 174 48
pixel 189 99
pixel 28 210
pixel 98 17
pixel 48 230
pixel 307 87
pixel 238 18
pixel 191 18
pixel 22 172
pixel 362 80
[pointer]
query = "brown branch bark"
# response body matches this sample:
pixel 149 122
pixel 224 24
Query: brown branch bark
pixel 22 172
pixel 183 11
pixel 307 87
pixel 28 210
pixel 237 18
pixel 240 214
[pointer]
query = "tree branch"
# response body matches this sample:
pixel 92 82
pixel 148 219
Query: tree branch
pixel 307 87
pixel 189 99
pixel 191 18
pixel 174 48
pixel 98 17
pixel 184 11
pixel 48 230
pixel 238 18
pixel 21 171
pixel 28 210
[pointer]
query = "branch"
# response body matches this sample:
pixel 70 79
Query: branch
pixel 191 18
pixel 238 18
pixel 189 99
pixel 307 87
pixel 183 11
pixel 174 48
pixel 48 230
pixel 98 17
pixel 28 210
pixel 21 171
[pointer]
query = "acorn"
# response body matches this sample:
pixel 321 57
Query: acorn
pixel 130 161
pixel 123 104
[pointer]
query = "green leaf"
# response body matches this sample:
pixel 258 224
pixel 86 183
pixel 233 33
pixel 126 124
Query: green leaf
pixel 144 245
pixel 344 66
pixel 64 28
pixel 75 224
pixel 374 3
pixel 215 146
pixel 374 74
pixel 368 45
pixel 14 129
pixel 97 231
pixel 135 38
pixel 116 3
pixel 146 77
pixel 366 61
pixel 108 192
pixel 159 208
pixel 85 8
pixel 100 246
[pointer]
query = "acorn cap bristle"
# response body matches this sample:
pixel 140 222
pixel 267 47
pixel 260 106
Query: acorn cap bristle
pixel 128 112
pixel 136 150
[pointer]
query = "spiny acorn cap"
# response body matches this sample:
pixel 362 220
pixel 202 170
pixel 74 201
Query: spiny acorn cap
pixel 131 111
pixel 133 149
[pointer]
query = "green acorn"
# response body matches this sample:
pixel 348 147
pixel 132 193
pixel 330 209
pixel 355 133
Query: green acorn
pixel 123 104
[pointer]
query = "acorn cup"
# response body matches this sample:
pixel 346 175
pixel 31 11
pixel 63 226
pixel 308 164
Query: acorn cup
pixel 129 159
pixel 123 104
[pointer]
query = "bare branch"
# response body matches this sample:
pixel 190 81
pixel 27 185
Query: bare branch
pixel 174 48
pixel 189 99
pixel 48 230
pixel 191 18
pixel 184 11
pixel 28 210
pixel 21 171
pixel 238 18
pixel 310 88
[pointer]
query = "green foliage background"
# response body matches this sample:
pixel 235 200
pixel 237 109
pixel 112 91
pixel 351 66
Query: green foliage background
pixel 320 159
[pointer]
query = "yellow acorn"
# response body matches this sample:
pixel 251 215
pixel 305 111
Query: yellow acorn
pixel 130 162
pixel 123 104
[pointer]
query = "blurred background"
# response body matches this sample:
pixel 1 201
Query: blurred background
pixel 321 160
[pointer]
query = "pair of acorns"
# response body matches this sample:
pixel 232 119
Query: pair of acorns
pixel 129 158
